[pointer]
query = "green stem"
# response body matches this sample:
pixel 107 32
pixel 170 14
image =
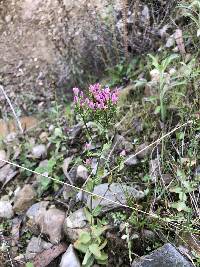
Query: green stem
pixel 82 116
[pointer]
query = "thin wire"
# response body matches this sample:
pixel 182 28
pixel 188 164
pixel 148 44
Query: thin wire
pixel 155 216
pixel 13 111
pixel 102 197
pixel 152 144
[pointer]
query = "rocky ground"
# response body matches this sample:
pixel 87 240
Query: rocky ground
pixel 43 216
pixel 69 195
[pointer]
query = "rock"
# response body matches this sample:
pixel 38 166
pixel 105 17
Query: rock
pixel 131 160
pixel 74 224
pixel 8 18
pixel 11 137
pixel 143 153
pixel 43 137
pixel 114 192
pixel 166 178
pixel 24 199
pixel 3 156
pixel 76 220
pixel 120 143
pixel 154 169
pixel 68 192
pixel 7 173
pixel 170 41
pixel 39 151
pixel 37 209
pixel 75 132
pixel 166 256
pixel 65 165
pixel 148 235
pixel 35 246
pixel 155 75
pixel 51 223
pixel 4 172
pixel 6 210
pixel 82 173
pixel 70 258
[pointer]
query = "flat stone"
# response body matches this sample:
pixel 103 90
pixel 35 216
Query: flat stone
pixel 166 256
pixel 51 223
pixel 114 192
pixel 24 199
pixel 82 172
pixel 6 210
pixel 35 246
pixel 70 258
pixel 37 209
pixel 39 151
pixel 74 224
pixel 7 173
pixel 76 220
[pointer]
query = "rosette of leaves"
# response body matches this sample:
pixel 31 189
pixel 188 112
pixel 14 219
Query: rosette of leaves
pixel 92 243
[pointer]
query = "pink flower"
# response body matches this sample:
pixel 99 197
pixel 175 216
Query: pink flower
pixel 87 101
pixel 114 98
pixel 81 94
pixel 76 91
pixel 123 153
pixel 75 99
pixel 88 162
pixel 87 146
pixel 91 105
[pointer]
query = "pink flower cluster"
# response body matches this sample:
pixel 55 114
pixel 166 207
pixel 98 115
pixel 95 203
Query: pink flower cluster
pixel 99 98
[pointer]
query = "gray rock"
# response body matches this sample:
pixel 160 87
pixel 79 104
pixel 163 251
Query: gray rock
pixel 166 178
pixel 82 172
pixel 6 210
pixel 120 143
pixel 50 223
pixel 131 160
pixel 36 209
pixel 76 220
pixel 70 258
pixel 65 165
pixel 3 156
pixel 35 246
pixel 166 256
pixel 74 224
pixel 24 199
pixel 39 151
pixel 114 192
pixel 7 173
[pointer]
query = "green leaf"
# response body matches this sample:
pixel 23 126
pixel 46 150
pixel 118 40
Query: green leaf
pixel 103 257
pixel 80 246
pixel 157 110
pixel 58 132
pixel 102 246
pixel 97 211
pixel 29 264
pixel 121 165
pixel 88 216
pixel 88 259
pixel 180 206
pixel 84 237
pixel 177 190
pixel 105 262
pixel 97 231
pixel 94 248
